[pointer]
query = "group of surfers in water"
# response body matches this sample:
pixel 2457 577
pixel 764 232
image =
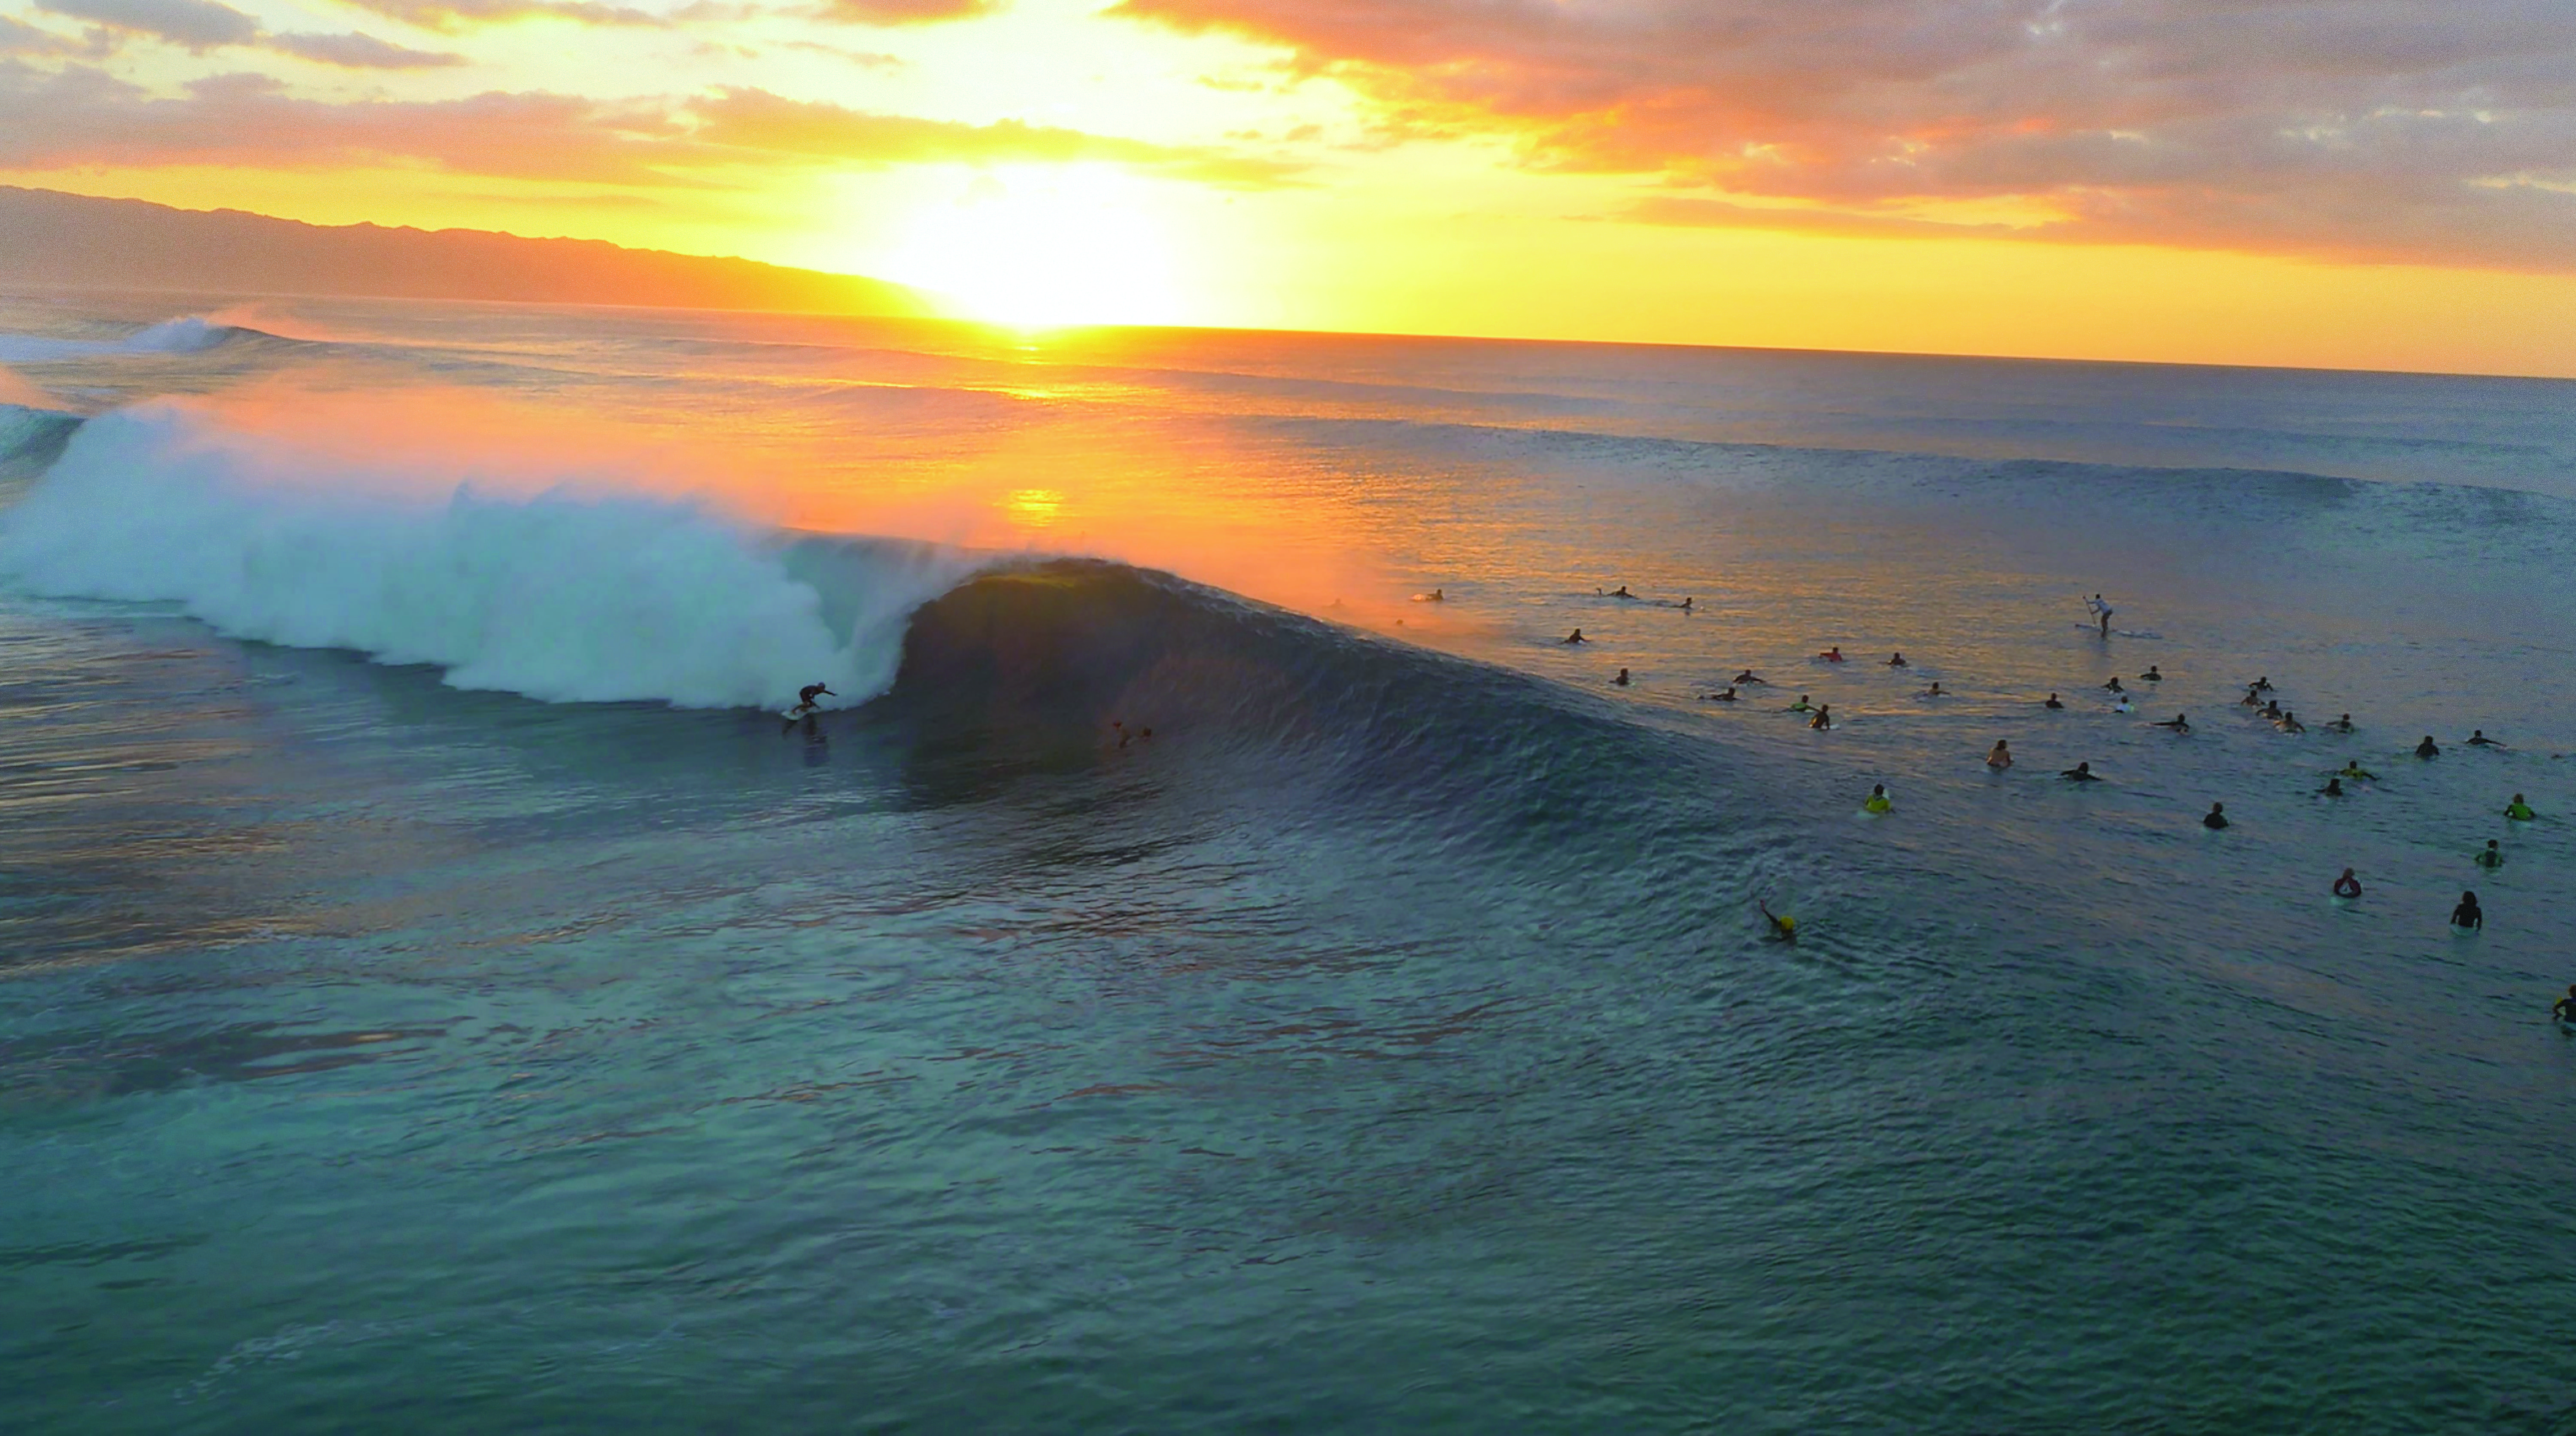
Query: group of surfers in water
pixel 2466 916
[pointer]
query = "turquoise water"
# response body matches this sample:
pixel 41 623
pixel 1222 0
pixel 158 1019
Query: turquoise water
pixel 1389 1043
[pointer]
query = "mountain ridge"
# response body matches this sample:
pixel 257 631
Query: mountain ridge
pixel 56 239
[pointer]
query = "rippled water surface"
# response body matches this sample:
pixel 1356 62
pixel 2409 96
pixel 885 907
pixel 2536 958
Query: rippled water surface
pixel 437 992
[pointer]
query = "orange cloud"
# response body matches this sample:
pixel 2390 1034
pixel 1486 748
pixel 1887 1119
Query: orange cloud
pixel 457 14
pixel 906 12
pixel 2441 130
pixel 82 116
pixel 757 121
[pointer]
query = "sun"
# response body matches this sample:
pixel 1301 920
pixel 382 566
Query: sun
pixel 1043 246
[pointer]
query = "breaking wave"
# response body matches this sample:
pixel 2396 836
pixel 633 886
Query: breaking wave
pixel 189 334
pixel 558 594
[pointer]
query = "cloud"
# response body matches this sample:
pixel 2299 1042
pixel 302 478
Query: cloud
pixel 360 52
pixel 757 121
pixel 202 25
pixel 458 14
pixel 83 116
pixel 2414 129
pixel 905 12
pixel 198 25
pixel 864 59
pixel 17 37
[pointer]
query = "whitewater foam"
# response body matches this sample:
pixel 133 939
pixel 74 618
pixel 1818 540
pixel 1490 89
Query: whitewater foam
pixel 560 593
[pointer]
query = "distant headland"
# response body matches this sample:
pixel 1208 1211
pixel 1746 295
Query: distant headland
pixel 76 241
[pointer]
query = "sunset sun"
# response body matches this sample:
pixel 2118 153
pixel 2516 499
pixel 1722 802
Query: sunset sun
pixel 1039 247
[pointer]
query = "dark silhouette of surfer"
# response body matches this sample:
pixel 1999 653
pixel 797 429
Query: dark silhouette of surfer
pixel 805 707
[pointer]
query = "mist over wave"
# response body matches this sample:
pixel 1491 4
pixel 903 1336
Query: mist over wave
pixel 561 591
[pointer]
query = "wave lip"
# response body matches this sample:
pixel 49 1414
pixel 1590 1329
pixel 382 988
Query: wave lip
pixel 561 596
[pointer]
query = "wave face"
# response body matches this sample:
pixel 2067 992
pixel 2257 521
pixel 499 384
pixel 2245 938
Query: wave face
pixel 188 334
pixel 560 596
pixel 1041 658
pixel 31 438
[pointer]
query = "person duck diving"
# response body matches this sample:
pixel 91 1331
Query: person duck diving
pixel 1783 929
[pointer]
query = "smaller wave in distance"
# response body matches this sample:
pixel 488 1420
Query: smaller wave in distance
pixel 188 334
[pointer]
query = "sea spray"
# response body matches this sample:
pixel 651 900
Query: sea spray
pixel 569 593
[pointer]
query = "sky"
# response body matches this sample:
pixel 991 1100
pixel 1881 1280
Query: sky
pixel 2341 183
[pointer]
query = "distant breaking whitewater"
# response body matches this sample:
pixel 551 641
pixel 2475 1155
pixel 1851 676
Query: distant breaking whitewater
pixel 560 596
pixel 189 334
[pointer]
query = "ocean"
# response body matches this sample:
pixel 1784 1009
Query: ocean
pixel 440 992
